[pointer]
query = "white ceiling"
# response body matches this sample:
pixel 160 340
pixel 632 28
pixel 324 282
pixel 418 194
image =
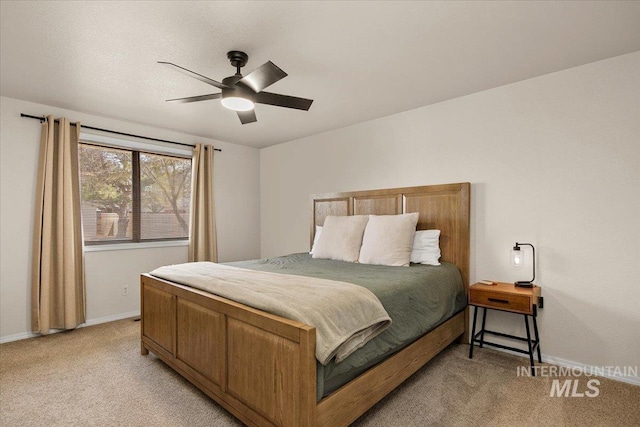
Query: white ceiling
pixel 357 60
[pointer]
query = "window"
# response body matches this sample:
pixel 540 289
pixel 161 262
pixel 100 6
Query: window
pixel 130 195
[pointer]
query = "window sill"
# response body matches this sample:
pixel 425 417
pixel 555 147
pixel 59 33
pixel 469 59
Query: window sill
pixel 129 246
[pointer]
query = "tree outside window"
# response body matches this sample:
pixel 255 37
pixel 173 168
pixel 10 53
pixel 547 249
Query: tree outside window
pixel 133 196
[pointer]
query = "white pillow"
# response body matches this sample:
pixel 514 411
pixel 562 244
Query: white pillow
pixel 316 237
pixel 341 238
pixel 426 247
pixel 388 239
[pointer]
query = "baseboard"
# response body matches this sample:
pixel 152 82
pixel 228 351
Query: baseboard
pixel 589 368
pixel 113 318
pixel 90 322
pixel 573 365
pixel 18 337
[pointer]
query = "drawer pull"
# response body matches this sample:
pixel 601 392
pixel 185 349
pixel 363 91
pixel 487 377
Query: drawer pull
pixel 501 301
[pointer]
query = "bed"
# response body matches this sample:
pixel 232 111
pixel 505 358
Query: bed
pixel 262 368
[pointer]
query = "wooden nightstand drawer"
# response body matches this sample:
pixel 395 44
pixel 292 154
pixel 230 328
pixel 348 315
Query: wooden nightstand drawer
pixel 501 300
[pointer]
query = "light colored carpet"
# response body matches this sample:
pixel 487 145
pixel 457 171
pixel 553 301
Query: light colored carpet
pixel 96 376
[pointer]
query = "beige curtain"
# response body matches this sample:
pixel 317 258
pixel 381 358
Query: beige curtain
pixel 202 236
pixel 58 288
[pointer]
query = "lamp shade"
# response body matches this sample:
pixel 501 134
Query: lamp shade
pixel 517 256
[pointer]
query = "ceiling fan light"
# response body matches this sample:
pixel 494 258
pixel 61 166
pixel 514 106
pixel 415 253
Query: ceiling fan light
pixel 237 103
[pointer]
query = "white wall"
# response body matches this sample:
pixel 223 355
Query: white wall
pixel 236 190
pixel 553 160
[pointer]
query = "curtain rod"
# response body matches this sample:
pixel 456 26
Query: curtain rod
pixel 42 119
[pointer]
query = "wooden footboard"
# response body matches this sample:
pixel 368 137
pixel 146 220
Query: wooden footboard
pixel 261 367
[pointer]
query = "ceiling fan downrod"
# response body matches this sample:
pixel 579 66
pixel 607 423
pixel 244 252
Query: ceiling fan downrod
pixel 238 59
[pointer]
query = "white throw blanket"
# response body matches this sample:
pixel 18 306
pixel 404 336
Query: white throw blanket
pixel 346 316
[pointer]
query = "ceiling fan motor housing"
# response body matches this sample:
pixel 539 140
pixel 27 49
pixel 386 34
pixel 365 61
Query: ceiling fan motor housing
pixel 237 90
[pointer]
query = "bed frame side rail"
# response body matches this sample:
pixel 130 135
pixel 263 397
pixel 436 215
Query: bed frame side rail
pixel 348 403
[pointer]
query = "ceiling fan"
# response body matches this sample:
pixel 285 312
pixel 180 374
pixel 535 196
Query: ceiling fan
pixel 240 93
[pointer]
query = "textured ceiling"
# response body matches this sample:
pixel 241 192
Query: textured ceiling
pixel 357 60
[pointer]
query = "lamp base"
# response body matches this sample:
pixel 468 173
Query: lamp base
pixel 524 284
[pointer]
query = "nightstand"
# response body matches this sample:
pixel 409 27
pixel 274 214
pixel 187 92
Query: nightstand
pixel 506 297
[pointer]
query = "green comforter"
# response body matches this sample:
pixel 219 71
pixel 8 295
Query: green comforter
pixel 418 298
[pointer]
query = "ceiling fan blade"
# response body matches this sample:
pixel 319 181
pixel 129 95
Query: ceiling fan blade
pixel 190 73
pixel 196 98
pixel 283 100
pixel 263 76
pixel 247 116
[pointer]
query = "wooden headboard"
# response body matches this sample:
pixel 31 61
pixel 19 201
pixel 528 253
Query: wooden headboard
pixel 443 207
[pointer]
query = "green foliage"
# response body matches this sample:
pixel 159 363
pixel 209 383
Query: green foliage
pixel 106 179
pixel 106 175
pixel 166 180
